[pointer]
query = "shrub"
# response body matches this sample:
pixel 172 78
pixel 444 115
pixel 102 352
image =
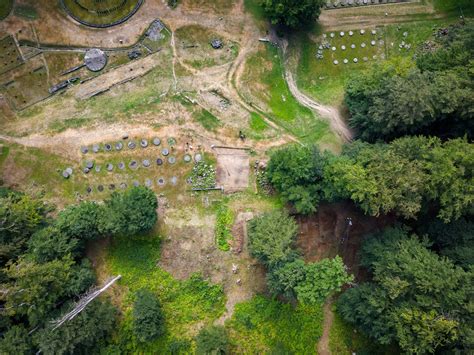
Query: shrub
pixel 212 340
pixel 148 320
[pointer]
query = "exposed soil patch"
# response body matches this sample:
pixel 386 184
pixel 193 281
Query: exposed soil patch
pixel 320 235
pixel 233 166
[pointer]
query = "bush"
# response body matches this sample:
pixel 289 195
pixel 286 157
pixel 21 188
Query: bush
pixel 292 13
pixel 80 221
pixel 131 212
pixel 212 340
pixel 148 320
pixel 271 238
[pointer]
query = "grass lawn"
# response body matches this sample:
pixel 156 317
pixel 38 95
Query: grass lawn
pixel 186 304
pixel 5 8
pixel 26 11
pixel 207 119
pixel 265 326
pixel 265 68
pixel 324 80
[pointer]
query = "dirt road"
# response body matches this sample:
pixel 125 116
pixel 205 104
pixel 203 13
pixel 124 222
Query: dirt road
pixel 323 344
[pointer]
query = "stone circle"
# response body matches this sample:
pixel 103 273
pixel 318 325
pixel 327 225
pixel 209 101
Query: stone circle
pixel 131 145
pixel 144 143
pixel 156 141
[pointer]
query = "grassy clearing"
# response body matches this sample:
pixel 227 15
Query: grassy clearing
pixel 220 6
pixel 5 8
pixel 253 7
pixel 186 304
pixel 268 326
pixel 455 7
pixel 345 340
pixel 193 44
pixel 207 119
pixel 265 68
pixel 325 81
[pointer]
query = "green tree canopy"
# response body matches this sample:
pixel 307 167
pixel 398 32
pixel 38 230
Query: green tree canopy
pixel 148 319
pixel 130 212
pixel 81 222
pixel 296 173
pixel 212 340
pixel 271 238
pixel 20 216
pixel 309 283
pixel 16 341
pixel 82 334
pixel 292 13
pixel 417 299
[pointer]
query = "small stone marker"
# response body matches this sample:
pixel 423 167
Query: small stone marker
pixel 374 32
pixel 131 145
pixel 86 170
pixel 97 168
pixel 109 167
pixel 159 161
pixel 341 33
pixel 146 163
pixel 355 60
pixel 171 160
pixel 351 33
pixel 336 62
pixel 89 189
pixel 69 170
pixel 112 187
pixel 353 46
pixel 161 181
pixel 343 47
pixel 148 183
pixel 156 141
pixel 187 158
pixel 333 48
pixel 133 164
pixel 118 146
pixel 65 174
pixel 89 164
pixel 372 43
pixel 174 180
pixel 332 35
pixel 362 32
pixel 165 152
pixel 363 44
pixel 135 183
pixel 100 188
pixel 365 59
pixel 144 143
pixel 123 185
pixel 108 147
pixel 345 61
pixel 95 148
pixel 84 150
pixel 198 157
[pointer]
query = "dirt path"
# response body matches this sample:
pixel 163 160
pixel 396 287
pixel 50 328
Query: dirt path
pixel 323 344
pixel 332 114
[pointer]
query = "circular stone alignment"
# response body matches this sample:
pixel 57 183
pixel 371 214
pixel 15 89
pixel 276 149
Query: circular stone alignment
pixel 103 13
pixel 95 59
